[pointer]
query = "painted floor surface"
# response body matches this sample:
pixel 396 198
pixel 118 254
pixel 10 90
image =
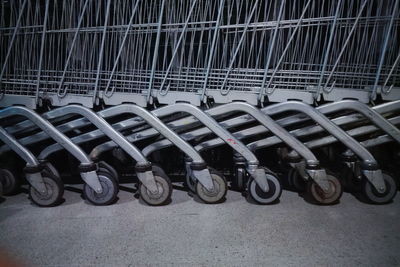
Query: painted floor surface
pixel 186 232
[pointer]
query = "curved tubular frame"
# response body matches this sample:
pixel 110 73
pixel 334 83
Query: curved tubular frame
pixel 157 124
pixel 324 124
pixel 20 150
pixel 315 172
pixel 252 162
pixel 89 177
pixel 380 140
pixel 201 174
pixel 188 121
pixel 270 124
pixel 370 168
pixel 70 126
pixel 107 129
pixel 367 129
pixel 78 123
pixel 276 129
pixel 145 177
pixel 229 123
pixel 243 119
pixel 335 130
pixel 383 108
pixel 266 121
pixel 34 179
pixel 359 107
pixel 273 140
pixel 214 127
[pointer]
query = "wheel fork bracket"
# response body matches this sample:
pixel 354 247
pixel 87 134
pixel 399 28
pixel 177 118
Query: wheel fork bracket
pixel 36 181
pixel 319 177
pixel 204 177
pixel 147 179
pixel 259 176
pixel 91 179
pixel 376 179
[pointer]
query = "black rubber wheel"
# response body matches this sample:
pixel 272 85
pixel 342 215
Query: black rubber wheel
pixel 109 194
pixel 55 191
pixel 219 192
pixel 163 196
pixel 105 166
pixel 11 184
pixel 374 196
pixel 264 198
pixel 326 198
pixel 109 174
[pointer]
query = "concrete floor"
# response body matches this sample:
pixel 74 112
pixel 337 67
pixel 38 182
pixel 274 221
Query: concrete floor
pixel 186 232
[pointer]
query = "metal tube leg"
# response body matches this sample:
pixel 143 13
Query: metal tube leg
pixel 146 177
pixel 33 168
pixel 199 167
pixel 225 135
pixel 266 121
pixel 369 162
pixel 270 110
pixel 57 136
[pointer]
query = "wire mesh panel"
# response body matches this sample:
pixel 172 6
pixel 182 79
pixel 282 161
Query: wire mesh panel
pixel 88 52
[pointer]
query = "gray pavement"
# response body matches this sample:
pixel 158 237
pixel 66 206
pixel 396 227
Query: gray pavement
pixel 186 232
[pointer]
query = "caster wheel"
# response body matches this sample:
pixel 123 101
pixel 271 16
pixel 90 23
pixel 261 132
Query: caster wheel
pixel 261 197
pixel 191 184
pixel 11 184
pixel 55 191
pixel 374 196
pixel 219 192
pixel 109 194
pixel 110 175
pixel 326 198
pixel 163 196
pixel 105 166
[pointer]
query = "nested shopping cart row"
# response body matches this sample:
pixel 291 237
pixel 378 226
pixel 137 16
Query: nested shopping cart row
pixel 294 132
